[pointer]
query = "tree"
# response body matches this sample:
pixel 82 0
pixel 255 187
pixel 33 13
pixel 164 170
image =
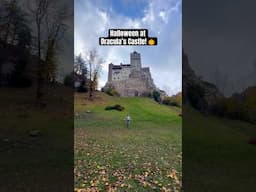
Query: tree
pixel 39 10
pixel 80 72
pixel 16 33
pixel 95 63
pixel 13 24
pixel 10 13
pixel 80 67
pixel 156 96
pixel 55 28
pixel 49 25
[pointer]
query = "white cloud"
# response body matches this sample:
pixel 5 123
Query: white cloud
pixel 149 16
pixel 161 18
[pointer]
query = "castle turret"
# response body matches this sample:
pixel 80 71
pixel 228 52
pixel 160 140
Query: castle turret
pixel 135 60
pixel 110 66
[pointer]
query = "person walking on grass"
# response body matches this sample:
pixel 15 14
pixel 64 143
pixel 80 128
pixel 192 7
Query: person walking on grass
pixel 128 120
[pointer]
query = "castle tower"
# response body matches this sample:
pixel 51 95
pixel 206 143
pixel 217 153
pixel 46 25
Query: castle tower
pixel 135 60
pixel 110 66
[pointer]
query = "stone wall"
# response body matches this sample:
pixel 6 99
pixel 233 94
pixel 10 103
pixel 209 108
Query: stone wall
pixel 130 79
pixel 130 87
pixel 121 74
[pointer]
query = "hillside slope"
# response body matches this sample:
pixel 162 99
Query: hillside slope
pixel 216 153
pixel 141 110
pixel 146 157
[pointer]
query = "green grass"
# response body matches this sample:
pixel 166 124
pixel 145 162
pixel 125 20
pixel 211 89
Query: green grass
pixel 216 154
pixel 146 157
pixel 40 163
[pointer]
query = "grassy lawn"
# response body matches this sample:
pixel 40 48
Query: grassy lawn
pixel 216 154
pixel 110 157
pixel 41 163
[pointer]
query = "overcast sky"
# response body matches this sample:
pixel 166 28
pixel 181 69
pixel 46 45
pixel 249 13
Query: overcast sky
pixel 221 35
pixel 162 18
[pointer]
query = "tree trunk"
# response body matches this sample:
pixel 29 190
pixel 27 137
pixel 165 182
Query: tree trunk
pixel 39 90
pixel 90 82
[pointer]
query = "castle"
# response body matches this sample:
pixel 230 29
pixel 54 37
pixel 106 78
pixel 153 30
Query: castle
pixel 130 79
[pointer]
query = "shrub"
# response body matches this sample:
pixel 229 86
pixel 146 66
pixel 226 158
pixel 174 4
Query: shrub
pixel 82 88
pixel 156 96
pixel 111 91
pixel 195 95
pixel 170 101
pixel 69 80
pixel 175 100
pixel 235 108
pixel 115 107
